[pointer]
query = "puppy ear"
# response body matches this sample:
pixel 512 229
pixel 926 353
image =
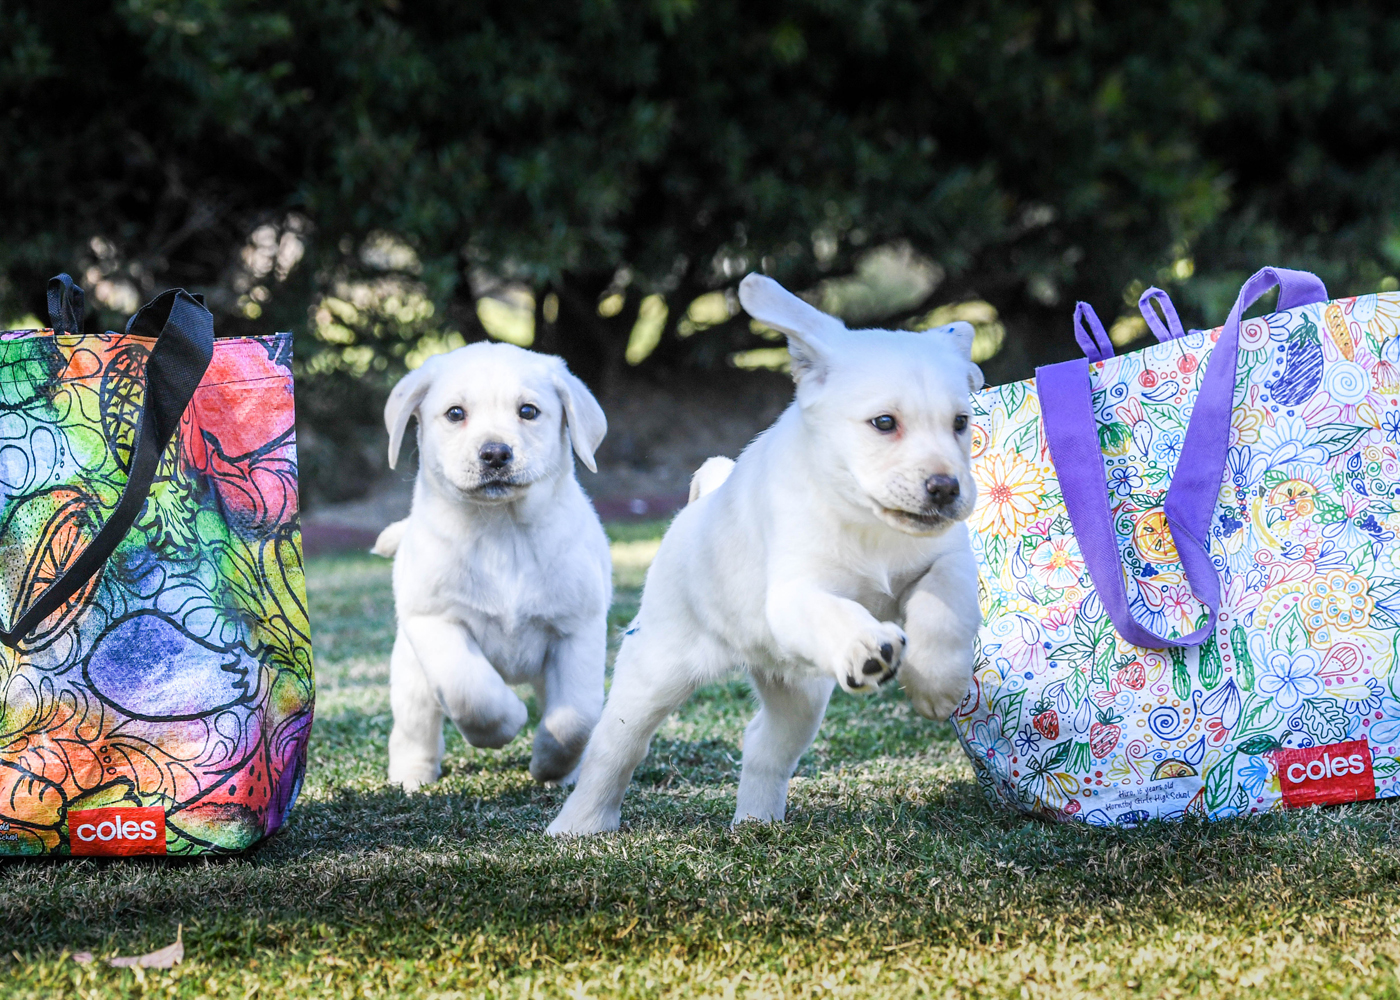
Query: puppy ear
pixel 585 419
pixel 961 335
pixel 808 329
pixel 403 403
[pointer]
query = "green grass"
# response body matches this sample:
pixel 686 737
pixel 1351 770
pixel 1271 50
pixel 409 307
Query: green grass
pixel 893 878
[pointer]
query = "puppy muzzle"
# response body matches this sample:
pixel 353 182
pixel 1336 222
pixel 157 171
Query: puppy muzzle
pixel 944 502
pixel 496 475
pixel 487 485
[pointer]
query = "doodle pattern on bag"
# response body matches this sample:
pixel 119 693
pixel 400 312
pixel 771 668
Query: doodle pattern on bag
pixel 180 676
pixel 1064 717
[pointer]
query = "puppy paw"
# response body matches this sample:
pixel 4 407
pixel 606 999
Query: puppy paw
pixel 493 731
pixel 559 744
pixel 568 781
pixel 938 687
pixel 742 815
pixel 412 777
pixel 938 706
pixel 871 659
pixel 583 822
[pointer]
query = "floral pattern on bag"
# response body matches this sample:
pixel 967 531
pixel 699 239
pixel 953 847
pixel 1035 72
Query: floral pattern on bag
pixel 1065 718
pixel 179 678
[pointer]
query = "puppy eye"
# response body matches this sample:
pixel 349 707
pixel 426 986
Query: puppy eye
pixel 884 423
pixel 456 414
pixel 529 411
pixel 960 423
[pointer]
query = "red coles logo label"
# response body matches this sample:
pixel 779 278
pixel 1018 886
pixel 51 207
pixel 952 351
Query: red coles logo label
pixel 1319 776
pixel 117 831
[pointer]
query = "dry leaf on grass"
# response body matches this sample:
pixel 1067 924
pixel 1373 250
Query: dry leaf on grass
pixel 163 959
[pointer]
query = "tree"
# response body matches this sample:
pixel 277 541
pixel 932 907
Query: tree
pixel 272 154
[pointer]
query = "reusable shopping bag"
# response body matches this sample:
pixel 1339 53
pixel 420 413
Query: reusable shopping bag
pixel 155 672
pixel 1190 578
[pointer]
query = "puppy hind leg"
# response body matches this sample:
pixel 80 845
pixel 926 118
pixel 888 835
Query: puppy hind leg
pixel 650 680
pixel 775 740
pixel 570 696
pixel 416 743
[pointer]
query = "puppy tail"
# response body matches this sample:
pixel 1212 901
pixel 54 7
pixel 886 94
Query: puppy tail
pixel 709 476
pixel 388 541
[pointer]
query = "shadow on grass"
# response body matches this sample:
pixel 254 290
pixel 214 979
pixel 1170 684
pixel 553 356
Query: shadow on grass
pixel 888 842
pixel 887 851
pixel 882 804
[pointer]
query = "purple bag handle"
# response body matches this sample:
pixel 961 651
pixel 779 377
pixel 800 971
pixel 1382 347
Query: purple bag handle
pixel 1066 402
pixel 1097 345
pixel 1172 329
pixel 1090 334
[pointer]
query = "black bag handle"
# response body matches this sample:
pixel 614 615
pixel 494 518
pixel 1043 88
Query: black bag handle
pixel 184 333
pixel 65 305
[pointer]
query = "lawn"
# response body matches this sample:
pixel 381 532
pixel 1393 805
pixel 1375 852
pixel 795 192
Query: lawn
pixel 892 877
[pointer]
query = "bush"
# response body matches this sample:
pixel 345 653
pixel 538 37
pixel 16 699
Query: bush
pixel 363 171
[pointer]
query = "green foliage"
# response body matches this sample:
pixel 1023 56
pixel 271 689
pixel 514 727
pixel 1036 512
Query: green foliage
pixel 270 155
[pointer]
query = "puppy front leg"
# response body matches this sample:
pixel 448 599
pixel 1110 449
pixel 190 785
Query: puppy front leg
pixel 941 617
pixel 774 742
pixel 836 634
pixel 415 743
pixel 571 699
pixel 468 688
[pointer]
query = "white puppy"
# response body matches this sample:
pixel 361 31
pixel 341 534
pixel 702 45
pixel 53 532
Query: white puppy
pixel 502 574
pixel 837 524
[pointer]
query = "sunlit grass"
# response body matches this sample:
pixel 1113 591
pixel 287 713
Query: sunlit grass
pixel 893 878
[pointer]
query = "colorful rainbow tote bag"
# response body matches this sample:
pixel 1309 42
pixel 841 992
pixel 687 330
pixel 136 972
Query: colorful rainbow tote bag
pixel 155 663
pixel 1190 571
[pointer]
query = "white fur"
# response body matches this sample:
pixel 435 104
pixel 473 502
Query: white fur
pixel 388 541
pixel 707 478
pixel 819 552
pixel 501 577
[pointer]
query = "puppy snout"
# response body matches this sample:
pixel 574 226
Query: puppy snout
pixel 495 455
pixel 942 490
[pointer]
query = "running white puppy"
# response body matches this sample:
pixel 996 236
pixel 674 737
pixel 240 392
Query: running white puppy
pixel 838 523
pixel 502 574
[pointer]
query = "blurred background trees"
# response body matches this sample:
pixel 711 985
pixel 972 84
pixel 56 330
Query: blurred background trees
pixel 391 178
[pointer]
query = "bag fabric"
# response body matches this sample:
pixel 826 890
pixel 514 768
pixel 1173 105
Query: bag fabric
pixel 1190 573
pixel 155 679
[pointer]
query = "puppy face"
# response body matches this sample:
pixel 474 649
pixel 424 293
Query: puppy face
pixel 893 412
pixel 494 419
pixel 889 410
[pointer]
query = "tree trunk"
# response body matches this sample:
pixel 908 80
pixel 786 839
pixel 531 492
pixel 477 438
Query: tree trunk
pixel 593 346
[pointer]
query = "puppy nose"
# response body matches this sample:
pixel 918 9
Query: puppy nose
pixel 942 489
pixel 494 454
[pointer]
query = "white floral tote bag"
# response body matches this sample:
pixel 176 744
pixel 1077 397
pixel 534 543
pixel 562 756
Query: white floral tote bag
pixel 1190 573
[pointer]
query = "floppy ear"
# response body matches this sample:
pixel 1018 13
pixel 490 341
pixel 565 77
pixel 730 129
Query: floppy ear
pixel 961 334
pixel 403 403
pixel 584 417
pixel 808 329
